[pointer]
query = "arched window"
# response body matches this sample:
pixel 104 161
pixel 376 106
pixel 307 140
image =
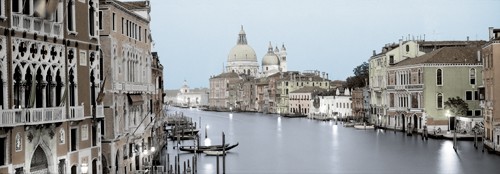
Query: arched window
pixel 407 48
pixel 91 19
pixel 439 101
pixel 71 15
pixel 472 76
pixel 439 77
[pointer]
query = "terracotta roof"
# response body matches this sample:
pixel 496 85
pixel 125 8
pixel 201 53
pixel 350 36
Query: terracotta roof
pixel 227 75
pixel 309 89
pixel 454 55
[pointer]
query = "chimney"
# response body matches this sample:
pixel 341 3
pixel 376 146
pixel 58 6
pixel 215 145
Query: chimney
pixel 326 75
pixel 479 55
pixel 467 38
pixel 492 36
pixel 374 53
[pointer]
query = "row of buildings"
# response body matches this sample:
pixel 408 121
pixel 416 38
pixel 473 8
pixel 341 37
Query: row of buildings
pixel 410 82
pixel 81 91
pixel 273 88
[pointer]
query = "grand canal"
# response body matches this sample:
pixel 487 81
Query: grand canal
pixel 272 144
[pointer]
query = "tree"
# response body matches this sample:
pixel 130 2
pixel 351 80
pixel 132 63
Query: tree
pixel 457 106
pixel 360 78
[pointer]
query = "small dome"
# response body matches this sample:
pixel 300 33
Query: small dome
pixel 242 53
pixel 270 59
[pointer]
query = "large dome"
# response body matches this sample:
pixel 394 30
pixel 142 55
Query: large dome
pixel 242 52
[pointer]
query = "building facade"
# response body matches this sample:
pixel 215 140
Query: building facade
pixel 132 99
pixel 489 53
pixel 50 81
pixel 418 88
pixel 293 80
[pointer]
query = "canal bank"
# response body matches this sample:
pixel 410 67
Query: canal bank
pixel 273 144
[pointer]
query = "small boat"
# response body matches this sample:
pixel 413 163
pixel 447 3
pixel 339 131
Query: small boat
pixel 181 137
pixel 364 127
pixel 193 149
pixel 214 153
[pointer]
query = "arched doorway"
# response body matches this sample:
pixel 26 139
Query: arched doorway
pixel 94 166
pixel 403 119
pixel 39 162
pixel 105 169
pixel 416 123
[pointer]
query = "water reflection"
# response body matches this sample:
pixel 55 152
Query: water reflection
pixel 448 158
pixel 271 144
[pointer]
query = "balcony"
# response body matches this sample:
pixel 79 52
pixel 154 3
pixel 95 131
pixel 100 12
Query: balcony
pixel 409 87
pixel 99 111
pixel 34 116
pixel 138 87
pixel 36 25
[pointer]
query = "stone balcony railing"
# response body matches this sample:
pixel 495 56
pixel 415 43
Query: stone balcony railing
pixel 36 25
pixel 409 87
pixel 99 111
pixel 133 87
pixel 32 116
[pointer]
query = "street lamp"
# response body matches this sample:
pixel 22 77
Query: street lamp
pixel 448 115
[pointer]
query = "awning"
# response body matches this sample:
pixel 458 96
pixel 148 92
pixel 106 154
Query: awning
pixel 135 99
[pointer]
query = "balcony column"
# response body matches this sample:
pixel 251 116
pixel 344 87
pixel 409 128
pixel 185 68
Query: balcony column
pixel 53 93
pixel 23 95
pixel 44 94
pixel 419 94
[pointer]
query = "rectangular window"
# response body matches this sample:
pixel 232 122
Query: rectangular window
pixel 74 139
pixel 477 112
pixel 468 95
pixel 123 25
pixel 15 6
pixel 469 113
pixel 476 95
pixel 414 100
pixel 113 18
pixel 391 96
pixel 146 35
pixel 125 154
pixel 94 136
pixel 3 151
pixel 100 20
pixel 140 37
pixel 391 60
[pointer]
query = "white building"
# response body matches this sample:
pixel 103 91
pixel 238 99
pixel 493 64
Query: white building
pixel 187 97
pixel 338 105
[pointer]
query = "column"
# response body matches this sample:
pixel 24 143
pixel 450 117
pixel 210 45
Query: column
pixel 53 98
pixel 44 94
pixel 23 93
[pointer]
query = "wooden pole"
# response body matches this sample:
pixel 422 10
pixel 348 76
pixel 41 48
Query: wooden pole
pixel 217 163
pixel 223 153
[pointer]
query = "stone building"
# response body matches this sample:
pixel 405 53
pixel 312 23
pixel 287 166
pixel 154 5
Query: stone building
pixel 392 54
pixel 51 74
pixel 293 80
pixel 490 53
pixel 186 97
pixel 418 88
pixel 132 99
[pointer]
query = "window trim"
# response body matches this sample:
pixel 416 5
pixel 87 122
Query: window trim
pixel 439 76
pixel 471 77
pixel 437 100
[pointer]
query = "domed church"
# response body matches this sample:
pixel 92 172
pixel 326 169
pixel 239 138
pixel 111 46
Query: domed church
pixel 243 60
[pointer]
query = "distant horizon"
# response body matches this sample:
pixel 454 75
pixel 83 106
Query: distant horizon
pixel 193 37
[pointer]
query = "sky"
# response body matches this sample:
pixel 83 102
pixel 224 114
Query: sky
pixel 193 37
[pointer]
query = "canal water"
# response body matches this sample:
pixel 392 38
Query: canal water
pixel 273 144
